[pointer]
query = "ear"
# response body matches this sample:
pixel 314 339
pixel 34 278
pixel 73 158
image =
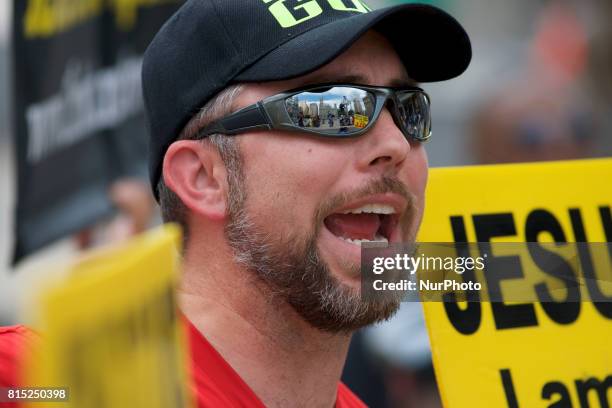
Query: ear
pixel 197 175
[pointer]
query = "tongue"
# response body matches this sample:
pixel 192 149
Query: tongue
pixel 353 226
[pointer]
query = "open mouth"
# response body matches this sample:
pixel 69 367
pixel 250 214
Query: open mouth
pixel 368 223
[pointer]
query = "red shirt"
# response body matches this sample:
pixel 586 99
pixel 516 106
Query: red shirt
pixel 15 344
pixel 214 381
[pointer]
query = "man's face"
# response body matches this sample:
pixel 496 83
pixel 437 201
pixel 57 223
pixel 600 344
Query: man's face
pixel 293 225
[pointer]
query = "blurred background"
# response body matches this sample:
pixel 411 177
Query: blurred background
pixel 539 88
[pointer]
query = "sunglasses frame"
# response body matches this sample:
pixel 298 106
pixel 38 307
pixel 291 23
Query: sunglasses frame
pixel 271 113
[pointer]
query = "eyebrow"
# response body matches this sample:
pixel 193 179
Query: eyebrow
pixel 360 79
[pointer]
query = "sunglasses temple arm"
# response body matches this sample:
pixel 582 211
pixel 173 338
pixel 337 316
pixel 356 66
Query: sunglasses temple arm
pixel 251 117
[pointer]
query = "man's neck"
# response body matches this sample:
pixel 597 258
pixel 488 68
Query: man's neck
pixel 283 359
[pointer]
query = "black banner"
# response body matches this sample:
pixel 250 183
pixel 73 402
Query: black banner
pixel 79 121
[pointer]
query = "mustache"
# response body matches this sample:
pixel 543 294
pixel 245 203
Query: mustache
pixel 383 185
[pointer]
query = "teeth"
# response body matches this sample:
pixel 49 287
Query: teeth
pixel 372 208
pixel 378 238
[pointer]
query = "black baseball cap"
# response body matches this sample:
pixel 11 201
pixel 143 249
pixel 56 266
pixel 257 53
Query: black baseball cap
pixel 210 44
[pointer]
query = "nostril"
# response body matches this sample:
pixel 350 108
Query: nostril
pixel 379 160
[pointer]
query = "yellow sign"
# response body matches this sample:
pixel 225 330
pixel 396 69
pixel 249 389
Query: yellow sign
pixel 45 18
pixel 111 334
pixel 530 353
pixel 360 121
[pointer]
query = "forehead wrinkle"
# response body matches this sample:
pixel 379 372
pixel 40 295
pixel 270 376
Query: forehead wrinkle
pixel 324 77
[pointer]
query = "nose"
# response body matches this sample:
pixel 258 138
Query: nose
pixel 384 145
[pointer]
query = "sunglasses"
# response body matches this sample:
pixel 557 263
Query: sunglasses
pixel 332 110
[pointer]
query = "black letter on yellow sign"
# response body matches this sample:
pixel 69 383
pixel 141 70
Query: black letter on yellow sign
pixel 602 303
pixel 499 268
pixel 583 388
pixel 465 321
pixel 606 221
pixel 555 387
pixel 506 378
pixel 565 312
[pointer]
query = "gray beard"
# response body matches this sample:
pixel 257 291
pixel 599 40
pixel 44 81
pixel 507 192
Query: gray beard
pixel 291 269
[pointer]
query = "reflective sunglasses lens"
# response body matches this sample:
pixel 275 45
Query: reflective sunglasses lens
pixel 332 111
pixel 415 114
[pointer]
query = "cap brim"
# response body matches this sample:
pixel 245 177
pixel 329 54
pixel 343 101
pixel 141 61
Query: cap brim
pixel 432 45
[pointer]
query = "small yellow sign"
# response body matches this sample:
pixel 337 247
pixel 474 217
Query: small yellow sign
pixel 360 121
pixel 529 353
pixel 111 333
